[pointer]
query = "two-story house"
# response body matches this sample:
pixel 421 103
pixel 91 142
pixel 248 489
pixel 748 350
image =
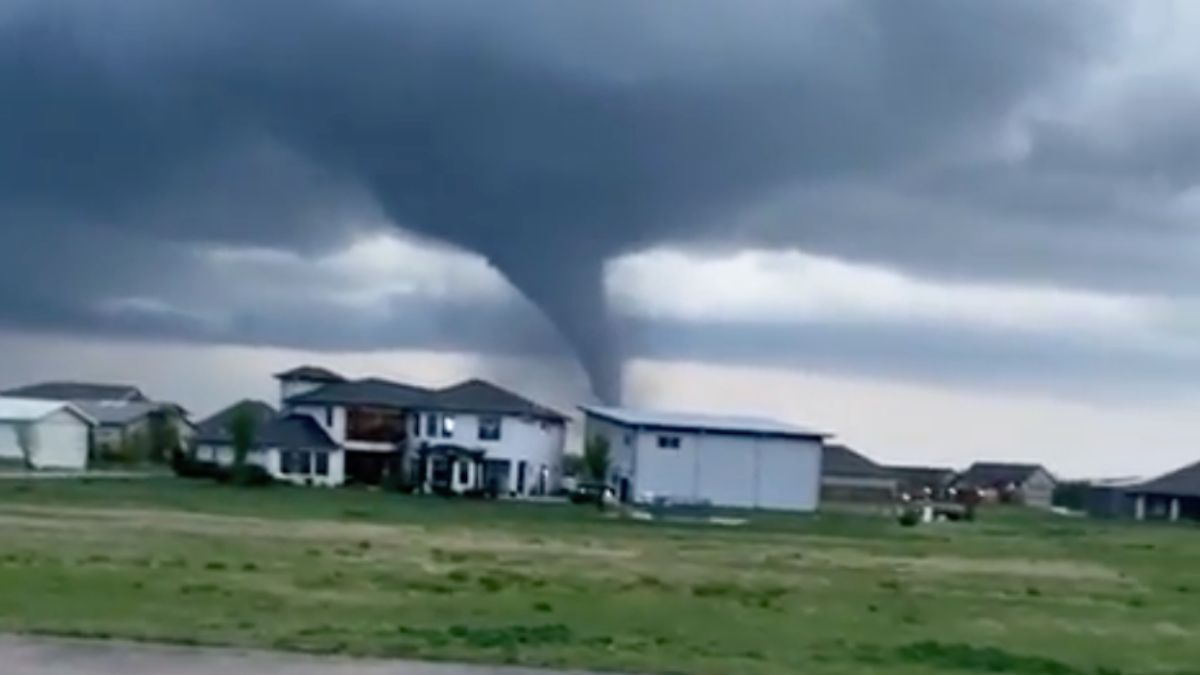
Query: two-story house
pixel 472 436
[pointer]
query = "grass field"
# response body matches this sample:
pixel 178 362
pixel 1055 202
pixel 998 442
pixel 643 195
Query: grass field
pixel 374 574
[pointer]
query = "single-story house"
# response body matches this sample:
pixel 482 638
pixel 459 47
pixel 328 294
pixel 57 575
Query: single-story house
pixel 1171 496
pixel 44 434
pixel 1028 484
pixel 849 476
pixel 291 447
pixel 471 436
pixel 924 481
pixel 743 462
pixel 124 416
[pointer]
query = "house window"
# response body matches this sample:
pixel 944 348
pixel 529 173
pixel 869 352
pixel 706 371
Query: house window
pixel 304 462
pixel 322 463
pixel 329 416
pixel 431 425
pixel 464 472
pixel 668 442
pixel 489 428
pixel 447 426
pixel 287 462
pixel 416 424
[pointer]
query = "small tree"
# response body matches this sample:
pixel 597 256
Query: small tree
pixel 596 458
pixel 573 466
pixel 164 437
pixel 27 440
pixel 241 433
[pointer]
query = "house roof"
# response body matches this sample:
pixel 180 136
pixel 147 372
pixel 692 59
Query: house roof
pixel 839 460
pixel 78 391
pixel 310 374
pixel 923 476
pixel 270 429
pixel 479 396
pixel 215 429
pixel 14 409
pixel 998 473
pixel 720 424
pixel 1184 482
pixel 371 391
pixel 118 413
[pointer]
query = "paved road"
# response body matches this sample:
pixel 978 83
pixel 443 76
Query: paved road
pixel 38 656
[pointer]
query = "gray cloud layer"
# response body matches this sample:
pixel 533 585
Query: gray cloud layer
pixel 550 136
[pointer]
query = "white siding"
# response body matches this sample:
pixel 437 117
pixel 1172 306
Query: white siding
pixel 726 470
pixel 789 474
pixel 332 421
pixel 59 440
pixel 271 460
pixel 290 388
pixel 1038 490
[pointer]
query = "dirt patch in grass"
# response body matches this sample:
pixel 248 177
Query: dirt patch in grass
pixel 942 565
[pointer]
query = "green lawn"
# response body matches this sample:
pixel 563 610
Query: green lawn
pixel 377 574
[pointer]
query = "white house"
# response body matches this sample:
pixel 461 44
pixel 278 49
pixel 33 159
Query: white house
pixel 54 434
pixel 739 462
pixel 292 448
pixel 472 436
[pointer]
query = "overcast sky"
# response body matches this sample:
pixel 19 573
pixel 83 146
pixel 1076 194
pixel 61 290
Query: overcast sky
pixel 942 230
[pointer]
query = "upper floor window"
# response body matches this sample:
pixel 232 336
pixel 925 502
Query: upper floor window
pixel 447 426
pixel 416 424
pixel 668 442
pixel 329 416
pixel 431 425
pixel 489 427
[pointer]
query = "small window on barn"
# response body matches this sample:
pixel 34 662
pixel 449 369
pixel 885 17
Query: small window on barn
pixel 431 425
pixel 668 442
pixel 489 427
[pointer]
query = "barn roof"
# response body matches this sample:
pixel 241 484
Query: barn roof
pixel 14 409
pixel 1184 482
pixel 690 422
pixel 78 391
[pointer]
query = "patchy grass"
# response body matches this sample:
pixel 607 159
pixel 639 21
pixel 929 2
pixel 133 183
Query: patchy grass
pixel 363 573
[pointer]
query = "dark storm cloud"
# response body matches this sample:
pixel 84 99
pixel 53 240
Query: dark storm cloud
pixel 547 136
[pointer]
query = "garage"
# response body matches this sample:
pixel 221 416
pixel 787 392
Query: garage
pixel 43 434
pixel 737 462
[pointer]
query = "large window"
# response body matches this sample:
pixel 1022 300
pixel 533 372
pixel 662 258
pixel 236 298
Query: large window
pixel 304 462
pixel 287 462
pixel 322 463
pixel 431 425
pixel 668 442
pixel 464 472
pixel 447 426
pixel 416 424
pixel 375 425
pixel 489 427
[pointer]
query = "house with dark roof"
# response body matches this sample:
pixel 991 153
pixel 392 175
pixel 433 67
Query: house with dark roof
pixel 1172 496
pixel 291 447
pixel 78 391
pixel 469 436
pixel 931 481
pixel 850 476
pixel 1028 484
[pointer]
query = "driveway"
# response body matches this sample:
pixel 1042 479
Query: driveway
pixel 42 656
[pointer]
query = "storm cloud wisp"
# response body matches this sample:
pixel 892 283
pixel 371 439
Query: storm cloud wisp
pixel 549 137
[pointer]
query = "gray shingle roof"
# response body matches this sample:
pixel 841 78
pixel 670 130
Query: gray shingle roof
pixel 310 374
pixel 728 424
pixel 990 474
pixel 78 391
pixel 839 460
pixel 365 392
pixel 478 396
pixel 118 413
pixel 1184 482
pixel 921 477
pixel 270 429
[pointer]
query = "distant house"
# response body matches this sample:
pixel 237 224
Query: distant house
pixel 471 436
pixel 743 462
pixel 1110 498
pixel 1028 484
pixel 49 434
pixel 924 480
pixel 848 476
pixel 1171 496
pixel 123 415
pixel 291 447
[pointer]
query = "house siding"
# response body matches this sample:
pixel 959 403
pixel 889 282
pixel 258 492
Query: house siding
pixel 536 442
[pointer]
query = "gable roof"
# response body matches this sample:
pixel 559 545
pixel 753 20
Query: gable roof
pixel 689 422
pixel 985 474
pixel 119 413
pixel 914 477
pixel 371 391
pixel 840 460
pixel 478 396
pixel 1184 482
pixel 310 374
pixel 271 430
pixel 78 391
pixel 14 409
pixel 215 429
